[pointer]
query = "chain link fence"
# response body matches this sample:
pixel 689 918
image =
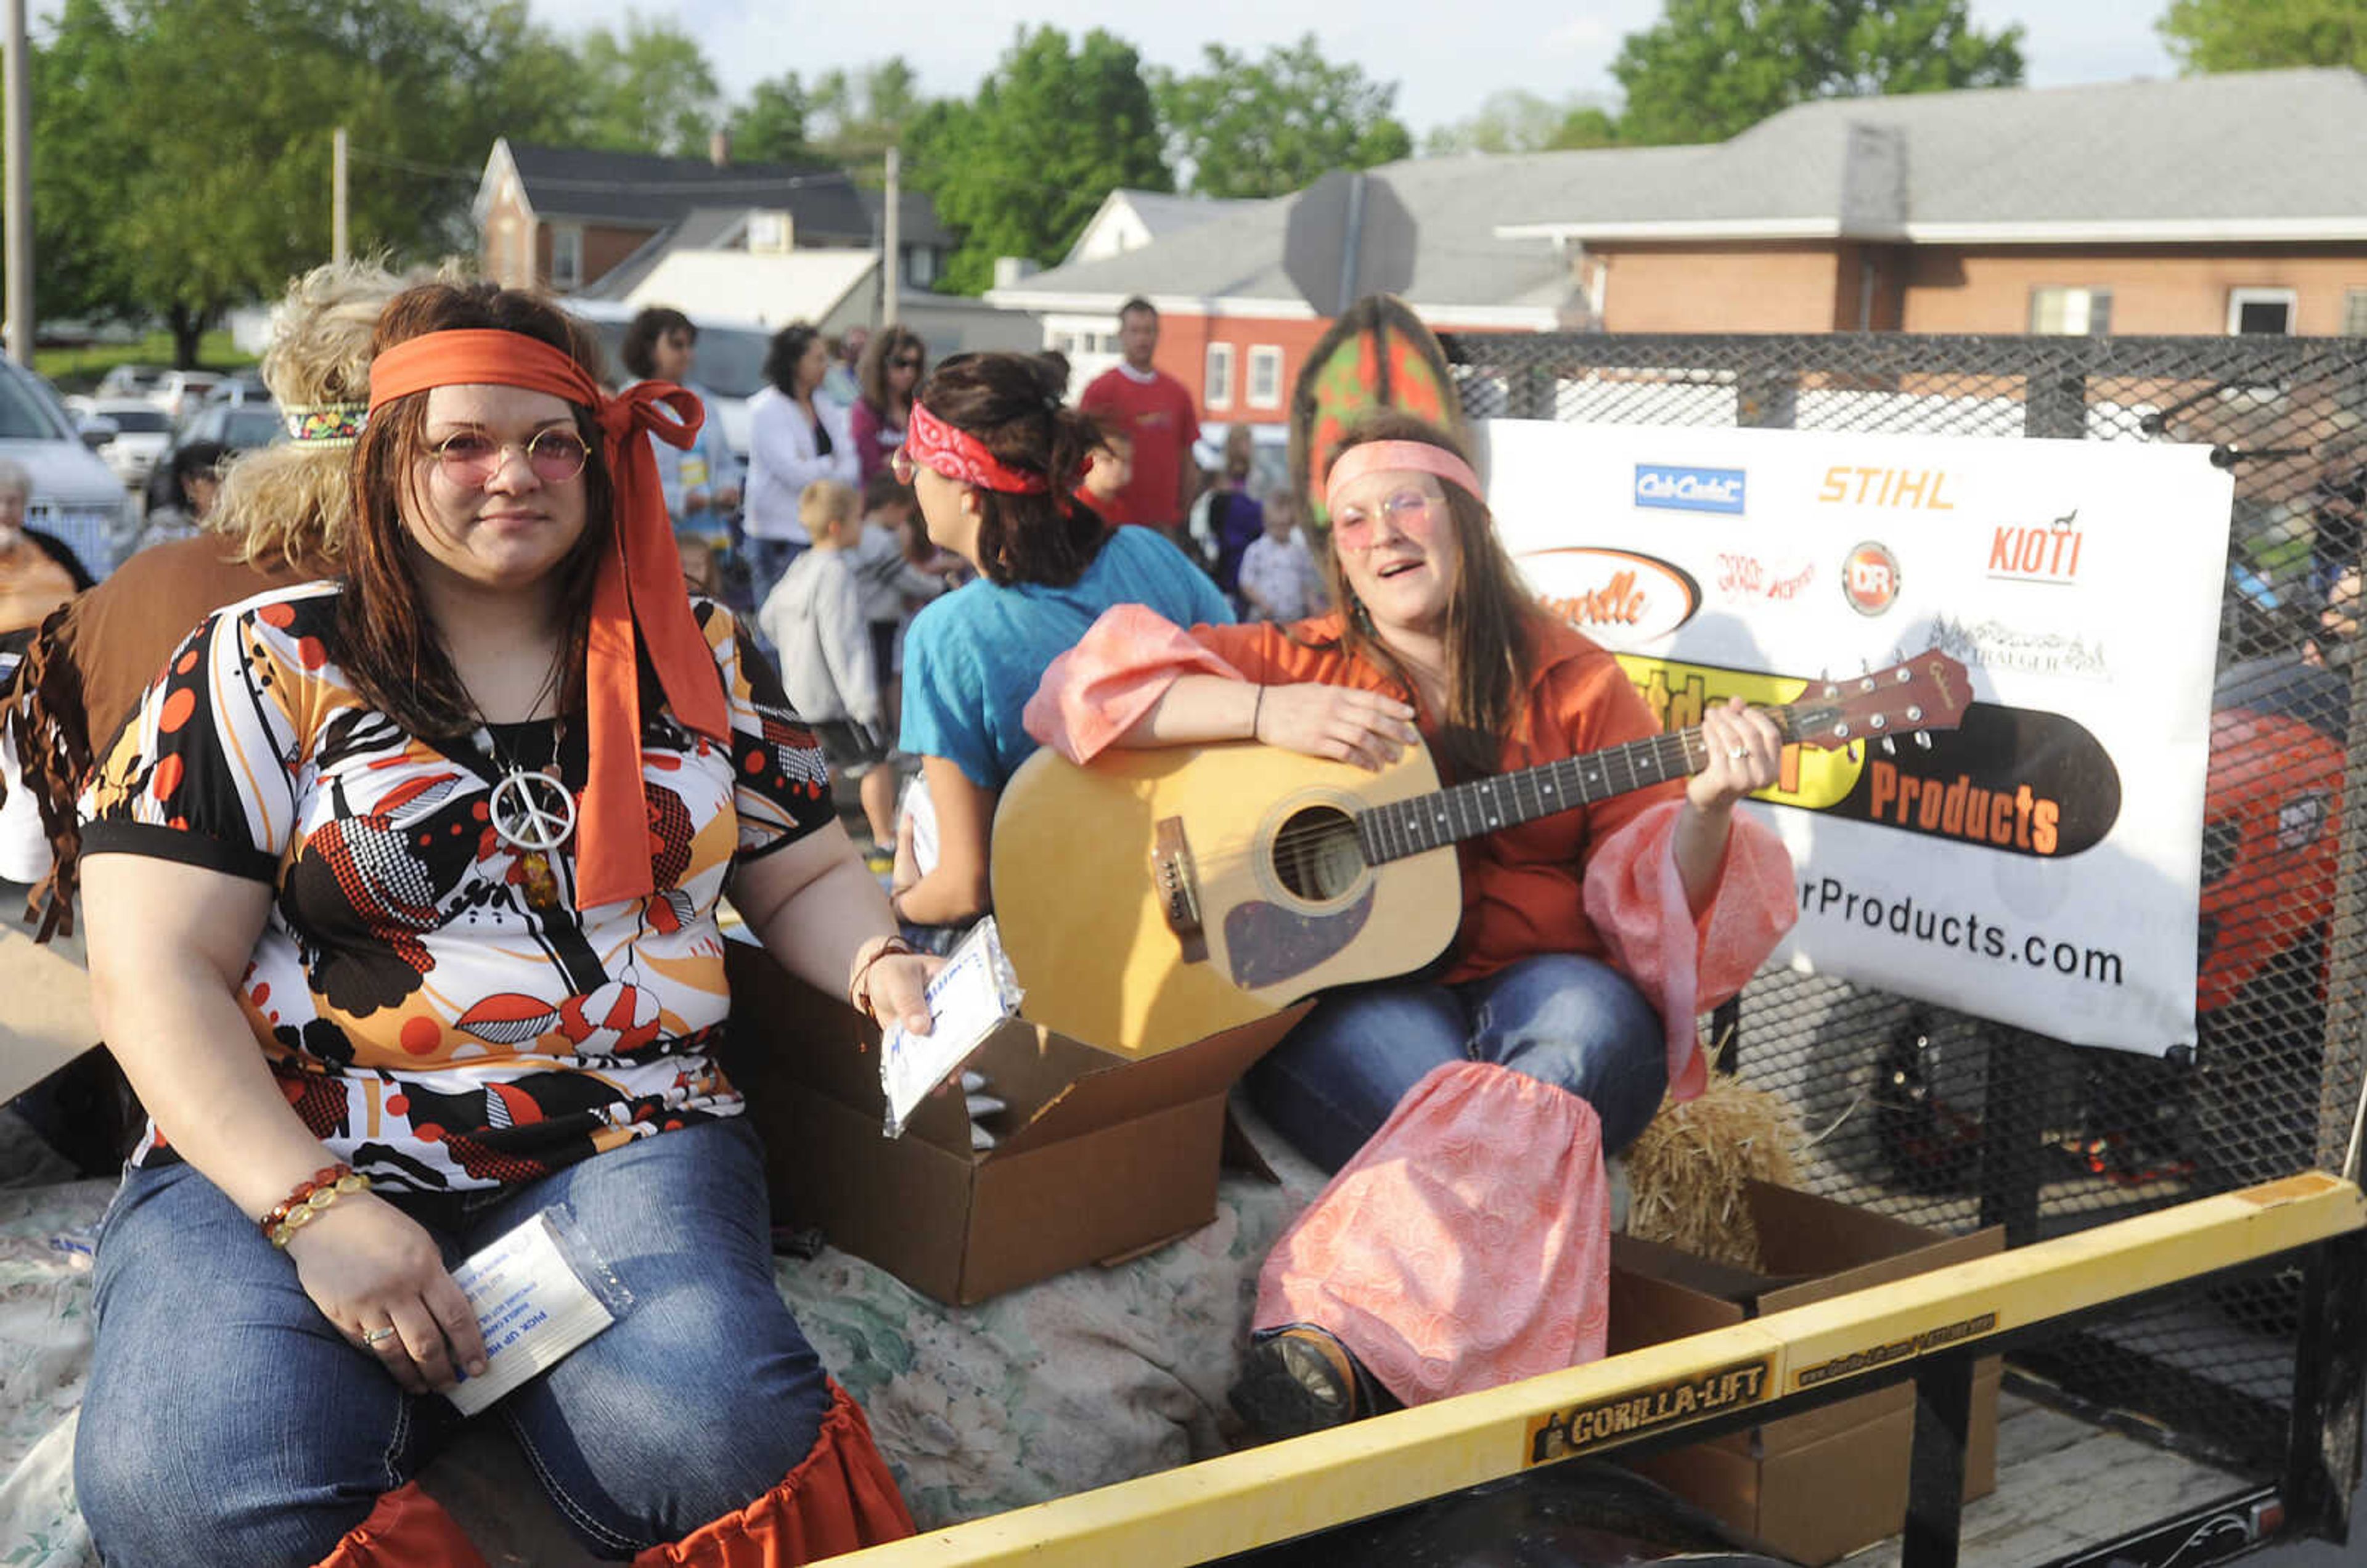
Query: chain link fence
pixel 1950 1121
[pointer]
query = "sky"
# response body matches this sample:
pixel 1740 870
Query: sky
pixel 1445 58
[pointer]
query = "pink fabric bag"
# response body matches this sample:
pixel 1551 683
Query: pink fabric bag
pixel 1467 1244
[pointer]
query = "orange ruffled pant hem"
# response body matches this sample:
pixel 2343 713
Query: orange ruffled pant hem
pixel 842 1498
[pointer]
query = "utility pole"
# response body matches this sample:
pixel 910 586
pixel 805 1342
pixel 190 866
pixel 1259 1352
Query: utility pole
pixel 17 178
pixel 337 196
pixel 891 279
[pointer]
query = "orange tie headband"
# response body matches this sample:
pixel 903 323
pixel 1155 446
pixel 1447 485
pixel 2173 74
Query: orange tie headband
pixel 639 586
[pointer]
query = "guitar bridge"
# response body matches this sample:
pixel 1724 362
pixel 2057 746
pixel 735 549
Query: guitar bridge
pixel 1179 887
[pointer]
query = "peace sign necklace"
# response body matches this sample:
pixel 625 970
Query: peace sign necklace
pixel 531 811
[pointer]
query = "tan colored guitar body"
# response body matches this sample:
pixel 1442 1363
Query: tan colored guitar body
pixel 1079 889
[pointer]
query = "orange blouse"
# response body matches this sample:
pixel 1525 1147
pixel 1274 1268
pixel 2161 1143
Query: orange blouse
pixel 1521 886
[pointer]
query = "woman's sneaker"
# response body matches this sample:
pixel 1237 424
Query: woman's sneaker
pixel 1301 1380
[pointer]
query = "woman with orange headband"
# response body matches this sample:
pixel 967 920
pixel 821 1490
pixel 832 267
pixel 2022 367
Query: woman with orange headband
pixel 401 900
pixel 1463 1242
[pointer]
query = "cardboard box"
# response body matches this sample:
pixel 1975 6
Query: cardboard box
pixel 1100 1157
pixel 1816 1486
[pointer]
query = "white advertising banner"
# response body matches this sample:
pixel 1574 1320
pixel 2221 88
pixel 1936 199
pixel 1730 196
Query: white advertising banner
pixel 2039 864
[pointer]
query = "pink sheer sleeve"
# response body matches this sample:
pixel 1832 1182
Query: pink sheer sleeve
pixel 1101 688
pixel 1637 901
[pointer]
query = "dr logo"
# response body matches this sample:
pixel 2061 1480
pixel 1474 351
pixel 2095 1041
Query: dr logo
pixel 1870 579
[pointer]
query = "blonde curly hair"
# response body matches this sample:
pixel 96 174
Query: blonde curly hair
pixel 295 501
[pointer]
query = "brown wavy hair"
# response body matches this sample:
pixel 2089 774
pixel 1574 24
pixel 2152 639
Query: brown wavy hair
pixel 1009 402
pixel 392 648
pixel 885 345
pixel 1492 621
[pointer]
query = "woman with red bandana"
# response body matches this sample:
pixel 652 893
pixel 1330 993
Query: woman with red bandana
pixel 1463 1242
pixel 401 898
pixel 993 456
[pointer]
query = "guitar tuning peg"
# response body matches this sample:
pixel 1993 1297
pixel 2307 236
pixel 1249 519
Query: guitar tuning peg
pixel 1889 747
pixel 1923 739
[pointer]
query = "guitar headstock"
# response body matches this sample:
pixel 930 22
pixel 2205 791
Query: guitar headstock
pixel 1927 691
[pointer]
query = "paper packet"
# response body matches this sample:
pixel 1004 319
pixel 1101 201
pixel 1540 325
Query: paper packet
pixel 539 1293
pixel 969 999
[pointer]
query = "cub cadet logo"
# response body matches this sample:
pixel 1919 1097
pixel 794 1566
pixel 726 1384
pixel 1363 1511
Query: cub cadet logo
pixel 1689 489
pixel 1914 489
pixel 1869 578
pixel 1583 1427
pixel 2038 555
pixel 1628 597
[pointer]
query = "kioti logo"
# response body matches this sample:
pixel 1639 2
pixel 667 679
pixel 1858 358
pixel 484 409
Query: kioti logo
pixel 2038 555
pixel 1626 598
pixel 1870 579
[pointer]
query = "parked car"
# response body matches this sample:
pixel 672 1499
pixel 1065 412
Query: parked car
pixel 175 391
pixel 237 389
pixel 241 426
pixel 142 434
pixel 75 496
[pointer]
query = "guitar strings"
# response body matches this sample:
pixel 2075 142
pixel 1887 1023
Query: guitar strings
pixel 1652 750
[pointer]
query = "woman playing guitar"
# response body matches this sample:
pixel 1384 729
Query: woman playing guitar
pixel 1463 1242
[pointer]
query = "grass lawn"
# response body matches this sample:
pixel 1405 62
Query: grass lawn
pixel 78 369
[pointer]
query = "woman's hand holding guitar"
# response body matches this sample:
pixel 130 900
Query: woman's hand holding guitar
pixel 1744 752
pixel 1335 722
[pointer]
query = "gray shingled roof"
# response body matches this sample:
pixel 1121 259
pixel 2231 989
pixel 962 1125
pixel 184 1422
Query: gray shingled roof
pixel 2272 146
pixel 1455 205
pixel 640 189
pixel 1164 214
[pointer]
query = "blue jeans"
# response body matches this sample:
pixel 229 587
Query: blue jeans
pixel 1568 1021
pixel 227 1421
pixel 768 562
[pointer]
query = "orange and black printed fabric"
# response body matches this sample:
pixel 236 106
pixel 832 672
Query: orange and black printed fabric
pixel 428 1021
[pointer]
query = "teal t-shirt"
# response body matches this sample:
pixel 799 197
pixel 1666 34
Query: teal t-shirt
pixel 973 659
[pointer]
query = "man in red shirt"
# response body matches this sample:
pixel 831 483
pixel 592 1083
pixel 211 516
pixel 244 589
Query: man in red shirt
pixel 1151 408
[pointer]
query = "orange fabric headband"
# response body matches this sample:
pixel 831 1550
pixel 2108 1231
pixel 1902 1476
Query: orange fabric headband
pixel 639 588
pixel 1377 457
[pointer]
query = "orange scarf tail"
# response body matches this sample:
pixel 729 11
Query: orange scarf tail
pixel 841 1499
pixel 407 1530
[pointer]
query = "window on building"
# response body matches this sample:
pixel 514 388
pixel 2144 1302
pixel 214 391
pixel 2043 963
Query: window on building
pixel 1219 393
pixel 2073 312
pixel 2354 313
pixel 1265 377
pixel 920 265
pixel 566 256
pixel 2260 310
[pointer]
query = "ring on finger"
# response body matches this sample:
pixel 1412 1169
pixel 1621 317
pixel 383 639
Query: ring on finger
pixel 1737 752
pixel 374 1337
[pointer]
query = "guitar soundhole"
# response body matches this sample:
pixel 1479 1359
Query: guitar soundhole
pixel 1315 853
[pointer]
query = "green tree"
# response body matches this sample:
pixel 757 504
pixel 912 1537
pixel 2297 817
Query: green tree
pixel 649 89
pixel 772 126
pixel 1268 127
pixel 859 117
pixel 1512 120
pixel 188 212
pixel 1019 168
pixel 2263 35
pixel 1711 68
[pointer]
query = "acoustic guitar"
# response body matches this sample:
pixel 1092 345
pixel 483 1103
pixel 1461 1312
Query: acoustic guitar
pixel 1159 896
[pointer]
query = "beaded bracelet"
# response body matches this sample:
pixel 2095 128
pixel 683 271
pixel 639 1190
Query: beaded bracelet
pixel 299 1208
pixel 859 997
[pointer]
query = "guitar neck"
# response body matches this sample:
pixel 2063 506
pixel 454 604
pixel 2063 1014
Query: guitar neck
pixel 1425 822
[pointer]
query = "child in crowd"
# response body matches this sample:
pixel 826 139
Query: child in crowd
pixel 892 585
pixel 1108 470
pixel 1279 579
pixel 814 617
pixel 700 573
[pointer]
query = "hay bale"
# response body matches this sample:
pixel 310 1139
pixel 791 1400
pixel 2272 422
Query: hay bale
pixel 1687 1169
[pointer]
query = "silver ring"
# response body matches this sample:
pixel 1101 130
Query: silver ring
pixel 377 1337
pixel 1737 752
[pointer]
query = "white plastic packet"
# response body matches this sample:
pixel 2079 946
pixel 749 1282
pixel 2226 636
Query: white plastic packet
pixel 968 1000
pixel 539 1293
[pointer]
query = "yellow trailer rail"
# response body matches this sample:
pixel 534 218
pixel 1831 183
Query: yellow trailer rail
pixel 1929 1328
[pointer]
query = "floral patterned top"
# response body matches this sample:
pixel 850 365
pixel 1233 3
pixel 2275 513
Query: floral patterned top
pixel 429 1018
